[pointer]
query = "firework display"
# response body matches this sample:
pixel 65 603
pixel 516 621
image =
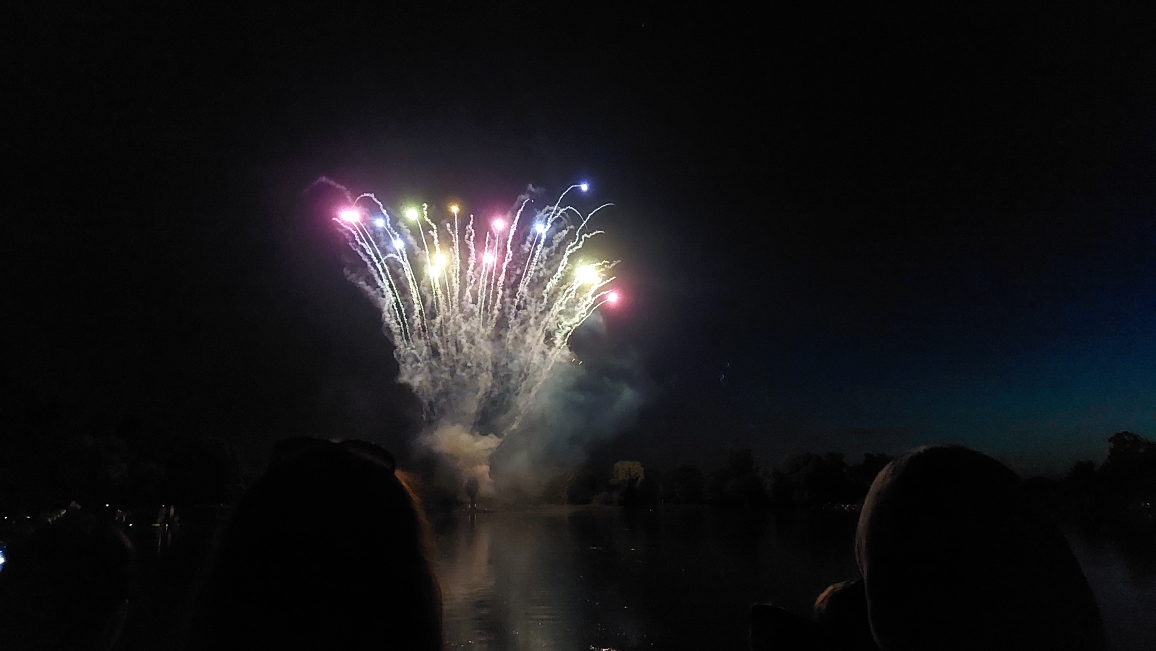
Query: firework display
pixel 479 309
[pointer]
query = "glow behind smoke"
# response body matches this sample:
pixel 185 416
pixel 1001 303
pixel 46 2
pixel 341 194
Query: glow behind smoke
pixel 478 316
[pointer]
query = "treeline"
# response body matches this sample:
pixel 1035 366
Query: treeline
pixel 1124 484
pixel 1119 491
pixel 806 481
pixel 51 455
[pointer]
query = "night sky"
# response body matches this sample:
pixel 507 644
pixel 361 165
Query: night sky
pixel 852 231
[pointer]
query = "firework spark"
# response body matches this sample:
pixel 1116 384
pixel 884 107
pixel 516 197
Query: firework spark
pixel 479 313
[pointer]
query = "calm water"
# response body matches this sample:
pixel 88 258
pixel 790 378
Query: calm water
pixel 1123 576
pixel 601 578
pixel 587 578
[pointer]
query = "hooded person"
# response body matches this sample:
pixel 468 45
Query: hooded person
pixel 955 555
pixel 327 550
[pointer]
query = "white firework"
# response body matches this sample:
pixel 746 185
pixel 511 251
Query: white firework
pixel 479 312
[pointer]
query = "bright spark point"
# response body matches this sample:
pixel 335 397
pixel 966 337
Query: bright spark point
pixel 612 297
pixel 588 274
pixel 454 209
pixel 488 258
pixel 398 244
pixel 499 224
pixel 540 227
pixel 379 222
pixel 350 215
pixel 411 213
pixel 439 261
pixel 583 186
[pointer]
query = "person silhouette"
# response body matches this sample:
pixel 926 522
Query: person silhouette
pixel 842 610
pixel 66 586
pixel 326 551
pixel 955 555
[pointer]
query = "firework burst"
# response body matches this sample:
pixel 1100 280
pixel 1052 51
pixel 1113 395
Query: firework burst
pixel 479 310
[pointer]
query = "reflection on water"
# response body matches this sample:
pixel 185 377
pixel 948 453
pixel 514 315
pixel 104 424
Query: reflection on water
pixel 682 578
pixel 1123 576
pixel 582 578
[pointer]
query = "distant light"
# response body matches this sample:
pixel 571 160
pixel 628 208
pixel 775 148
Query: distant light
pixel 454 209
pixel 379 222
pixel 411 213
pixel 498 224
pixel 350 215
pixel 488 258
pixel 588 274
pixel 540 227
pixel 612 297
pixel 398 244
pixel 584 186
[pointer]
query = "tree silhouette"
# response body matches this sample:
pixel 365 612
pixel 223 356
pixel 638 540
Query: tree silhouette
pixel 684 485
pixel 738 484
pixel 1129 474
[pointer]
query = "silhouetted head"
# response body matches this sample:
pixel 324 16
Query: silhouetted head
pixel 327 550
pixel 66 587
pixel 954 555
pixel 842 610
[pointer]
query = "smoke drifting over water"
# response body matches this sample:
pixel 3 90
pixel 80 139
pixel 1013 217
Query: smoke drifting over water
pixel 469 450
pixel 480 310
pixel 579 405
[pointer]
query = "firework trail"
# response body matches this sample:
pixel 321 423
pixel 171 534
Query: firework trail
pixel 479 311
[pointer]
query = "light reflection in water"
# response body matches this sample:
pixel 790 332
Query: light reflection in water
pixel 591 579
pixel 506 581
pixel 583 578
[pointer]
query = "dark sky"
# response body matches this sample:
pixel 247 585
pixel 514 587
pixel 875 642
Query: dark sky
pixel 857 231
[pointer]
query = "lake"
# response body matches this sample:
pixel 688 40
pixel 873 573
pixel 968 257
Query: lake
pixel 582 578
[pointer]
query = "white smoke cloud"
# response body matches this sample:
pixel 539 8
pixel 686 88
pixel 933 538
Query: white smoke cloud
pixel 578 405
pixel 468 451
